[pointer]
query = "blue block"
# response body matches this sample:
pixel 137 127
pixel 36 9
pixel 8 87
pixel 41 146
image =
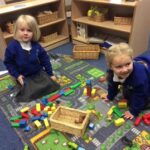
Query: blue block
pixel 35 118
pixel 10 87
pixel 42 118
pixel 88 82
pixel 81 148
pixel 44 101
pixel 45 115
pixel 22 123
pixel 27 128
pixel 62 92
pixel 91 126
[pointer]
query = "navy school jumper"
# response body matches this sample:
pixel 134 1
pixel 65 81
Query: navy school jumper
pixel 20 62
pixel 136 88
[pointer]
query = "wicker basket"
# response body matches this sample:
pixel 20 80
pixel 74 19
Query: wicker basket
pixel 46 17
pixel 69 120
pixel 122 20
pixel 49 37
pixel 89 51
pixel 97 18
pixel 10 27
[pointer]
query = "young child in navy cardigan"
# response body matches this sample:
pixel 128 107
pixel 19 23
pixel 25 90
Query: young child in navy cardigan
pixel 24 56
pixel 132 74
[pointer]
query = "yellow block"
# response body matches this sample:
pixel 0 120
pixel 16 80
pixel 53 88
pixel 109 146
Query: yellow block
pixel 143 138
pixel 25 109
pixel 46 109
pixel 93 92
pixel 122 104
pixel 85 91
pixel 53 108
pixel 38 124
pixel 119 122
pixel 40 135
pixel 46 122
pixel 110 111
pixel 38 107
pixel 49 113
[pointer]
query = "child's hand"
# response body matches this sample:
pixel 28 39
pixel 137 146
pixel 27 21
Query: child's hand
pixel 53 78
pixel 21 80
pixel 128 115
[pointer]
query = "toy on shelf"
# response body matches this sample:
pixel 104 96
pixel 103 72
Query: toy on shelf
pixel 82 31
pixel 97 14
pixel 69 120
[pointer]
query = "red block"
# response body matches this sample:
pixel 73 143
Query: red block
pixel 146 121
pixel 35 113
pixel 138 121
pixel 24 115
pixel 89 89
pixel 146 116
pixel 54 97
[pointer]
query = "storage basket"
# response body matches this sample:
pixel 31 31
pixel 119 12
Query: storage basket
pixel 10 27
pixel 98 18
pixel 46 17
pixel 89 51
pixel 49 37
pixel 122 20
pixel 65 119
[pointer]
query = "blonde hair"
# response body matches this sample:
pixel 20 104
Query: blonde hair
pixel 31 22
pixel 118 49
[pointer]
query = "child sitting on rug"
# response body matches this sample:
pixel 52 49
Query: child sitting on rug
pixel 132 74
pixel 28 62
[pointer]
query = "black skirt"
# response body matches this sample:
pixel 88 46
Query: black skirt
pixel 36 86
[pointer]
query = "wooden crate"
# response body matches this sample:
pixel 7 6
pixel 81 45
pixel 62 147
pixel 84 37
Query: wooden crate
pixel 49 37
pixel 46 17
pixel 122 20
pixel 69 120
pixel 89 51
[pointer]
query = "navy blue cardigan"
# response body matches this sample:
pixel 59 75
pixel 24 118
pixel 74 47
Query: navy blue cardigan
pixel 136 87
pixel 20 62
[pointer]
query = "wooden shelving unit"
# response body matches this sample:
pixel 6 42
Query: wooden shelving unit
pixel 10 12
pixel 136 34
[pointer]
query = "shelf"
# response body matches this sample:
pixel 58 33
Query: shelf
pixel 58 40
pixel 51 23
pixel 113 2
pixel 80 39
pixel 11 12
pixel 23 5
pixel 106 24
pixel 7 35
pixel 136 34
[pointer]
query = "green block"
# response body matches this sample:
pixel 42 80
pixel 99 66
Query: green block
pixel 75 85
pixel 69 92
pixel 50 104
pixel 15 125
pixel 15 118
pixel 117 111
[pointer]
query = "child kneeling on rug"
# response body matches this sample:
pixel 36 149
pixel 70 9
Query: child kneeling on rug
pixel 132 74
pixel 28 62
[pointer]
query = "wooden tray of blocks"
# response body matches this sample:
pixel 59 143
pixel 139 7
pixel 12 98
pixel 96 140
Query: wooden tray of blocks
pixel 89 51
pixel 69 120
